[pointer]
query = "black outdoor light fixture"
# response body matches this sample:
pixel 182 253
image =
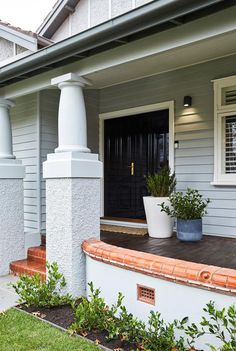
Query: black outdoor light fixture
pixel 187 101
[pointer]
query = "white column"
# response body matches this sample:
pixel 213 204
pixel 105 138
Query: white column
pixel 72 124
pixel 12 241
pixel 72 188
pixel 5 129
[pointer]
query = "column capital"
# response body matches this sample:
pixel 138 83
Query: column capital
pixel 6 103
pixel 71 79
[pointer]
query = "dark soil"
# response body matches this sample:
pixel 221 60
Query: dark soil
pixel 63 316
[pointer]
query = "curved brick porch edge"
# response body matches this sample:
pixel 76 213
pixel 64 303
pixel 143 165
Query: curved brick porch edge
pixel 222 280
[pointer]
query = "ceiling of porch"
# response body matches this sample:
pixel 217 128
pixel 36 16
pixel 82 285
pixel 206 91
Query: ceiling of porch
pixel 184 56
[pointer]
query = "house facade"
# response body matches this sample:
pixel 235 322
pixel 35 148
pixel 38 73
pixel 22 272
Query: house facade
pixel 157 78
pixel 110 91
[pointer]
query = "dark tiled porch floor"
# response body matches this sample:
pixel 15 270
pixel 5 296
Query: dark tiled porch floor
pixel 211 250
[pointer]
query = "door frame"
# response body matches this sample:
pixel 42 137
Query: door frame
pixel 166 105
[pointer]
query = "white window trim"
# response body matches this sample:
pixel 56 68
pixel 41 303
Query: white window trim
pixel 221 111
pixel 167 105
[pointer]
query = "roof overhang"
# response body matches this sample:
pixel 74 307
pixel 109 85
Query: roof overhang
pixel 27 41
pixel 152 18
pixel 56 17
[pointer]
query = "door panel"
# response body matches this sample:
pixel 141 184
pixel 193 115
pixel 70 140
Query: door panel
pixel 143 140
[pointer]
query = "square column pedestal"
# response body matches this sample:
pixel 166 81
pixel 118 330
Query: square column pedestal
pixel 12 239
pixel 72 212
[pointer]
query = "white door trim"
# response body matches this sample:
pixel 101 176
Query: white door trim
pixel 167 105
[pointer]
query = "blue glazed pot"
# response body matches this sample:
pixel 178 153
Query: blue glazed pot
pixel 189 230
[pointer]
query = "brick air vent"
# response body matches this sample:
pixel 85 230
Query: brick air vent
pixel 146 294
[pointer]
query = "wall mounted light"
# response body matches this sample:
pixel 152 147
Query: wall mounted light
pixel 187 101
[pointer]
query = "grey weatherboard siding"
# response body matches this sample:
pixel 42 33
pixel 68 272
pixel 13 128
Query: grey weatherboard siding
pixel 193 129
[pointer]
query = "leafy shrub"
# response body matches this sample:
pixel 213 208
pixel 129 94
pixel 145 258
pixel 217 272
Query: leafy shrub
pixel 219 323
pixel 95 314
pixel 33 291
pixel 222 324
pixel 161 336
pixel 161 184
pixel 186 206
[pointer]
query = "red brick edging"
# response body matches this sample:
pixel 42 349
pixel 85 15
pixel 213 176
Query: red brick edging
pixel 222 280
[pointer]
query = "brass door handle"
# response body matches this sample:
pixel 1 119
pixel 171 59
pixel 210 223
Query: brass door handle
pixel 131 168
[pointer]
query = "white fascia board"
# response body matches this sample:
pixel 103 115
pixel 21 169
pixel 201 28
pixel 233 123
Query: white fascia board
pixel 211 27
pixel 51 17
pixel 19 38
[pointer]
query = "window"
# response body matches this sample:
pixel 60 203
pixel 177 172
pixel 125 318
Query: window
pixel 225 131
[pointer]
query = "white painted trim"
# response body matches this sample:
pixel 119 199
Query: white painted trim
pixel 123 223
pixel 109 9
pixel 133 4
pixel 167 105
pixel 89 13
pixel 72 164
pixel 21 39
pixel 221 111
pixel 38 133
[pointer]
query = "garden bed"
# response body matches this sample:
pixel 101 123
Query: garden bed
pixel 63 317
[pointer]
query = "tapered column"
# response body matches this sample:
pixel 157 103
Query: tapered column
pixel 72 187
pixel 12 242
pixel 72 123
pixel 5 129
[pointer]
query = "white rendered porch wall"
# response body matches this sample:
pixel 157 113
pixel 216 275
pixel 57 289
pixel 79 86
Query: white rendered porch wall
pixel 193 129
pixel 174 301
pixel 91 13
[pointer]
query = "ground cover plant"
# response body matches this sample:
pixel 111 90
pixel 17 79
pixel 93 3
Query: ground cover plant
pixel 21 332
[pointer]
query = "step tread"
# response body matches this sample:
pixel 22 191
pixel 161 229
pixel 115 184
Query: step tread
pixel 28 267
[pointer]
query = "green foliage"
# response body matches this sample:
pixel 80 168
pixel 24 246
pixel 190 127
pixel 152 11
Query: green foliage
pixel 222 324
pixel 33 291
pixel 161 184
pixel 190 205
pixel 218 323
pixel 160 335
pixel 95 314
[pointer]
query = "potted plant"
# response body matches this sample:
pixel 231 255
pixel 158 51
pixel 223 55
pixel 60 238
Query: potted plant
pixel 160 186
pixel 188 208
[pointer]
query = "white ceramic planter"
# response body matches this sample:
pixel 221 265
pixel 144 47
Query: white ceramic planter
pixel 160 225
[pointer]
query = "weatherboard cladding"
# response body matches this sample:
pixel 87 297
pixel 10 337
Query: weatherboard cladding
pixel 49 100
pixel 193 130
pixel 24 131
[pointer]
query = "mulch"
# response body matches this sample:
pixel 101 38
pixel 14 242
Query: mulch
pixel 63 316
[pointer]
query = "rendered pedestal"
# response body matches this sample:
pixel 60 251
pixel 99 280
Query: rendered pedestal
pixel 73 213
pixel 12 240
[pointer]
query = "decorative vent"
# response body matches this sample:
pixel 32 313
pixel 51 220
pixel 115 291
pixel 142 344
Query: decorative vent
pixel 146 294
pixel 229 95
pixel 230 144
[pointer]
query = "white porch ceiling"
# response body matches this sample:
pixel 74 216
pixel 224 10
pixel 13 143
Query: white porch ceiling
pixel 202 51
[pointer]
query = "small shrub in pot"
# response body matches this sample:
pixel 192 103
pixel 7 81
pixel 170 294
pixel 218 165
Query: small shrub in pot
pixel 160 186
pixel 188 208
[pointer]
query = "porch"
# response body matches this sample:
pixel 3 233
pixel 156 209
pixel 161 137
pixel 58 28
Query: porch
pixel 212 250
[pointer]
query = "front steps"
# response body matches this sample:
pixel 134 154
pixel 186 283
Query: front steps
pixel 35 263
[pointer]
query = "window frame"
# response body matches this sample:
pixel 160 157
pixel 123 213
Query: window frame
pixel 220 112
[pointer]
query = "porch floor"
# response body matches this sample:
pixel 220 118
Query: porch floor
pixel 212 250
